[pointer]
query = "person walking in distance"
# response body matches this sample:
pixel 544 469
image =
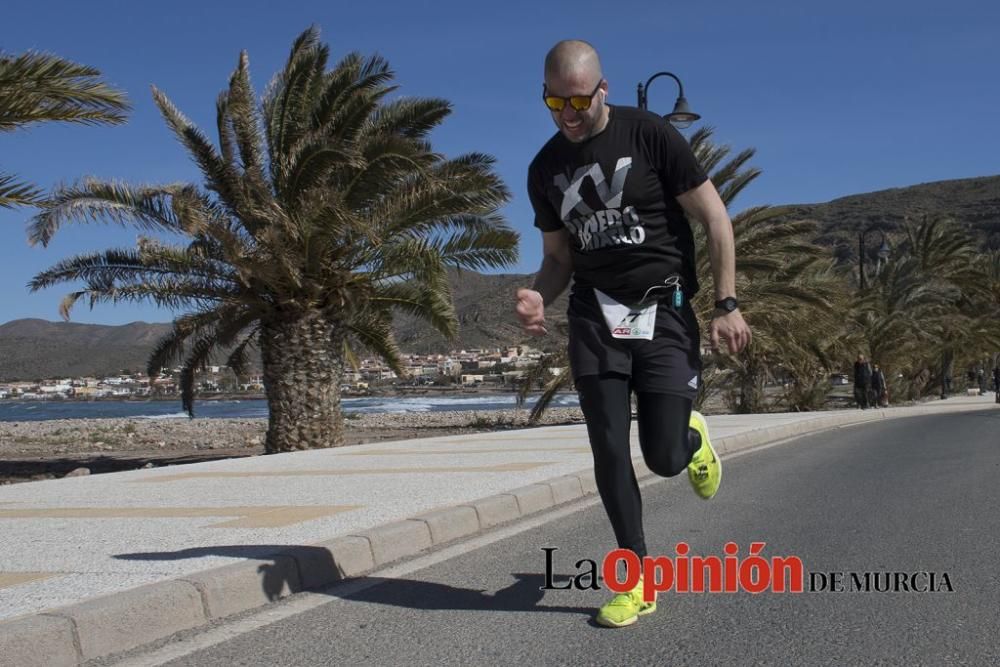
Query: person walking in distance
pixel 612 192
pixel 880 392
pixel 862 381
pixel 996 381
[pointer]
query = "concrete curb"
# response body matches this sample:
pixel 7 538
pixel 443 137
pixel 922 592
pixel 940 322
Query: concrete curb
pixel 123 621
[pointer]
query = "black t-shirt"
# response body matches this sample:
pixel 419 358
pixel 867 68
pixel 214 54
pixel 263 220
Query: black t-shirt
pixel 616 194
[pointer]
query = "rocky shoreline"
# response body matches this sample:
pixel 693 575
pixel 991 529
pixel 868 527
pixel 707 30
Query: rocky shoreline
pixel 54 448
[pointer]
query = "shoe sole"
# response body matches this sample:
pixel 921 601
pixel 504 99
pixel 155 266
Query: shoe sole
pixel 611 624
pixel 608 623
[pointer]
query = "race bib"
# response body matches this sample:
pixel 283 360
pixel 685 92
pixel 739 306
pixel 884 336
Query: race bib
pixel 625 321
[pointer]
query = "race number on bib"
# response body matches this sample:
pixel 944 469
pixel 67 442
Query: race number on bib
pixel 625 321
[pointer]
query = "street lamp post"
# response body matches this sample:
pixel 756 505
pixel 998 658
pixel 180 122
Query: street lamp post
pixel 681 116
pixel 883 253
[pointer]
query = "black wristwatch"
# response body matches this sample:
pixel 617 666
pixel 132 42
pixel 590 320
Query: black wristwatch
pixel 729 304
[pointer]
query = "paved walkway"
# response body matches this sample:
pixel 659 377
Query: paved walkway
pixel 94 565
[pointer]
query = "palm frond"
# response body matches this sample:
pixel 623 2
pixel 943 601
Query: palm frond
pixel 288 101
pixel 41 87
pixel 372 329
pixel 479 250
pixel 431 301
pixel 553 386
pixel 239 359
pixel 408 118
pixel 92 200
pixel 14 193
pixel 154 263
pixel 220 176
pixel 223 335
pixel 241 109
pixel 171 348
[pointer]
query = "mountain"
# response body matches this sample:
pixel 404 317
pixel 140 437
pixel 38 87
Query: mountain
pixel 35 349
pixel 973 203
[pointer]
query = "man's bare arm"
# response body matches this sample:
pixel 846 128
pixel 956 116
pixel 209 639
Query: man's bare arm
pixel 557 266
pixel 550 281
pixel 704 204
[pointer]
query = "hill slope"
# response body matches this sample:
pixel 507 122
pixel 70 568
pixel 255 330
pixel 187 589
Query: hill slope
pixel 972 202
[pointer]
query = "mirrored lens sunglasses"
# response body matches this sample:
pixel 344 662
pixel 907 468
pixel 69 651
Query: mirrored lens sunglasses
pixel 578 102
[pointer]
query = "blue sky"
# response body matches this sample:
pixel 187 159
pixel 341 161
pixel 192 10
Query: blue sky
pixel 837 98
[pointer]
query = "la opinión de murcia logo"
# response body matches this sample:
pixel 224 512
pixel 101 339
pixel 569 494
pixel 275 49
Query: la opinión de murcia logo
pixel 754 573
pixel 880 582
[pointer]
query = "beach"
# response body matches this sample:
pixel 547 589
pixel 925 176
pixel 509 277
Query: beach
pixel 54 448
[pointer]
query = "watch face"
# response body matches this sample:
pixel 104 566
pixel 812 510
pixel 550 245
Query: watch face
pixel 728 304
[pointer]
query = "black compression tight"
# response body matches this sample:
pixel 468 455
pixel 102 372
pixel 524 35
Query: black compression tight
pixel 666 440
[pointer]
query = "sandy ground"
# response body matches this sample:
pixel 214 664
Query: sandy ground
pixel 52 449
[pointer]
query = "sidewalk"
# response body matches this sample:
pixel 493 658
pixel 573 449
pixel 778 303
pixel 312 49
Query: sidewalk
pixel 91 566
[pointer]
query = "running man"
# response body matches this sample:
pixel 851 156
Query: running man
pixel 612 191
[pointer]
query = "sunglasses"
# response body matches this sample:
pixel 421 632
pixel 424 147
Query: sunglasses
pixel 578 102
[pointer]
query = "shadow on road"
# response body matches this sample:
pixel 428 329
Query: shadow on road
pixel 317 564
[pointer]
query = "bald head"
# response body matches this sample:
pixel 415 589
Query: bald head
pixel 573 59
pixel 573 70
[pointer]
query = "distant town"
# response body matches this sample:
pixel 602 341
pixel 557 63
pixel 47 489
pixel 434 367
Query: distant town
pixel 499 368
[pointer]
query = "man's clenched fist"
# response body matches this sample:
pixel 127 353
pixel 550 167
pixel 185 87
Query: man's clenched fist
pixel 531 311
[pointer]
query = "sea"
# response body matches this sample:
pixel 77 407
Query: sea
pixel 40 410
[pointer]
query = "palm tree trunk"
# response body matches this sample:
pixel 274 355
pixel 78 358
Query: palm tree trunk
pixel 303 366
pixel 751 384
pixel 750 395
pixel 947 362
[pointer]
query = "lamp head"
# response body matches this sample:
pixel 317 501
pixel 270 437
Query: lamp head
pixel 682 116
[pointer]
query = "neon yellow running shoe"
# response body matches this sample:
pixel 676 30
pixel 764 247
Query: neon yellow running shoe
pixel 705 469
pixel 625 608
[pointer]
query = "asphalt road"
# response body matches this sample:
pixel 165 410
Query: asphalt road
pixel 910 495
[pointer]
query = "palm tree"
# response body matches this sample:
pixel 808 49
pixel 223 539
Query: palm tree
pixel 961 318
pixel 782 296
pixel 40 87
pixel 808 331
pixel 325 210
pixel 935 306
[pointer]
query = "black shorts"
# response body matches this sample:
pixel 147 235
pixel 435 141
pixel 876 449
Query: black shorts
pixel 670 363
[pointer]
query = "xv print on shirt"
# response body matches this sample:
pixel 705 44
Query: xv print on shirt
pixel 610 226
